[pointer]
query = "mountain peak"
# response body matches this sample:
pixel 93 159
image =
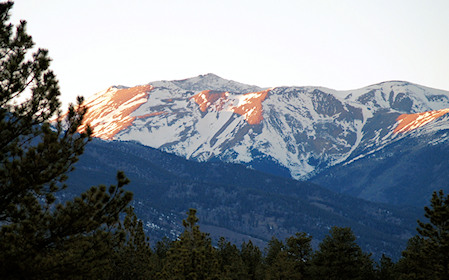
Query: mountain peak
pixel 210 76
pixel 302 129
pixel 213 82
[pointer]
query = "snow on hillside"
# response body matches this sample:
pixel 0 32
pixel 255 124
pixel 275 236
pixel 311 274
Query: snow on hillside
pixel 303 129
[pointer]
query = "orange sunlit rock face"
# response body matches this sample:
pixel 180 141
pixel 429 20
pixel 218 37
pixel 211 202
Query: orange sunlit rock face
pixel 109 111
pixel 249 105
pixel 409 122
pixel 205 99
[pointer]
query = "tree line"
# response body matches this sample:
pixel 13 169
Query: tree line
pixel 97 235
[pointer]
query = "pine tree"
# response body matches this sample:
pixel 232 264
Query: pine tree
pixel 252 261
pixel 436 234
pixel 40 238
pixel 158 258
pixel 339 257
pixel 282 268
pixel 230 262
pixel 299 251
pixel 34 157
pixel 386 269
pixel 133 253
pixel 289 261
pixel 414 264
pixel 192 256
pixel 274 248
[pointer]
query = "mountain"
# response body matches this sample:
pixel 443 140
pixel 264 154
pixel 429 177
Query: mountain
pixel 309 133
pixel 237 202
pixel 404 172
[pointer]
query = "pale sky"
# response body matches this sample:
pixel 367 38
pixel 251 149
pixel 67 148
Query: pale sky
pixel 345 44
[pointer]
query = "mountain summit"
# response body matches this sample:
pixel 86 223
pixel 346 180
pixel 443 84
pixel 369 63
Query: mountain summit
pixel 298 131
pixel 212 82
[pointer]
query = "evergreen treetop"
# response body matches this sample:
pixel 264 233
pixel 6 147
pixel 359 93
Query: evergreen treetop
pixel 41 238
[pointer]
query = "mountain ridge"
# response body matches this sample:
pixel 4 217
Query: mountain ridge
pixel 305 130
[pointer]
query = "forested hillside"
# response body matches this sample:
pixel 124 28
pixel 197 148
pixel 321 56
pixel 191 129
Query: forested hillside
pixel 237 202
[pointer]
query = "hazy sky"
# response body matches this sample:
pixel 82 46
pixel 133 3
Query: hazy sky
pixel 337 44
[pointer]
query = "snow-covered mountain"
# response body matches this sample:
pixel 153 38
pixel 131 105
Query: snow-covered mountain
pixel 299 131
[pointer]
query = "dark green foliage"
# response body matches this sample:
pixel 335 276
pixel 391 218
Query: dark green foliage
pixel 160 253
pixel 299 250
pixel 436 234
pixel 414 264
pixel 289 261
pixel 339 257
pixel 40 238
pixel 74 240
pixel 283 268
pixel 133 255
pixel 192 256
pixel 426 256
pixel 34 158
pixel 252 261
pixel 275 247
pixel 386 269
pixel 230 262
